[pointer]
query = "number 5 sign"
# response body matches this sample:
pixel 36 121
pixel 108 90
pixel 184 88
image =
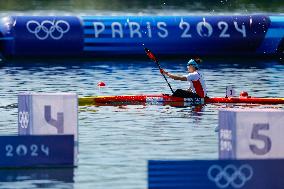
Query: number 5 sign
pixel 251 133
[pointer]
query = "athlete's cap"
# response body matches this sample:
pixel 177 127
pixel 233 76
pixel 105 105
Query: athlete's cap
pixel 193 63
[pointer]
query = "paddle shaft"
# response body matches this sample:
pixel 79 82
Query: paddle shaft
pixel 164 76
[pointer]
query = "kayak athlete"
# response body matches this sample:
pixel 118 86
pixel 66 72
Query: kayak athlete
pixel 195 79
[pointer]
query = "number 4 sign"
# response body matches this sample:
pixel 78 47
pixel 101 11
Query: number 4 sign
pixel 48 114
pixel 251 133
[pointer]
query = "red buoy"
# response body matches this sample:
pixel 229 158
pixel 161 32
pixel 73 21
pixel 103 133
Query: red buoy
pixel 244 94
pixel 101 84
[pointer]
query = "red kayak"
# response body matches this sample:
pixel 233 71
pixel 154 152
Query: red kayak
pixel 164 99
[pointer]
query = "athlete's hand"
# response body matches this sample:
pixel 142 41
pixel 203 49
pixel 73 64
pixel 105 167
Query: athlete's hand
pixel 163 72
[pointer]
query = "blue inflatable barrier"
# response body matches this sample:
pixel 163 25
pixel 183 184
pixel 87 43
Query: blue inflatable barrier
pixel 215 174
pixel 97 36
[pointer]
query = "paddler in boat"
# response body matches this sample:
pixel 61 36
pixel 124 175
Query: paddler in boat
pixel 194 77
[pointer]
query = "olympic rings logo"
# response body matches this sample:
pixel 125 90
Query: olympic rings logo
pixel 230 175
pixel 24 119
pixel 54 29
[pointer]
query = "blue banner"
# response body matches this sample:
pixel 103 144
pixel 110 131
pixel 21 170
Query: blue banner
pixel 98 36
pixel 36 150
pixel 46 36
pixel 210 35
pixel 205 174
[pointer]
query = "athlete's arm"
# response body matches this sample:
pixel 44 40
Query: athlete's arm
pixel 173 76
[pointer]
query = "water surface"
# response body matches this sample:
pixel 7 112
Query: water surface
pixel 116 142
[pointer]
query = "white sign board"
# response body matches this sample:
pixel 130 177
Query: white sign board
pixel 48 113
pixel 251 133
pixel 230 91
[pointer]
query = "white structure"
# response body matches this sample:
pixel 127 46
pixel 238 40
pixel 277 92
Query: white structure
pixel 230 91
pixel 48 113
pixel 251 133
